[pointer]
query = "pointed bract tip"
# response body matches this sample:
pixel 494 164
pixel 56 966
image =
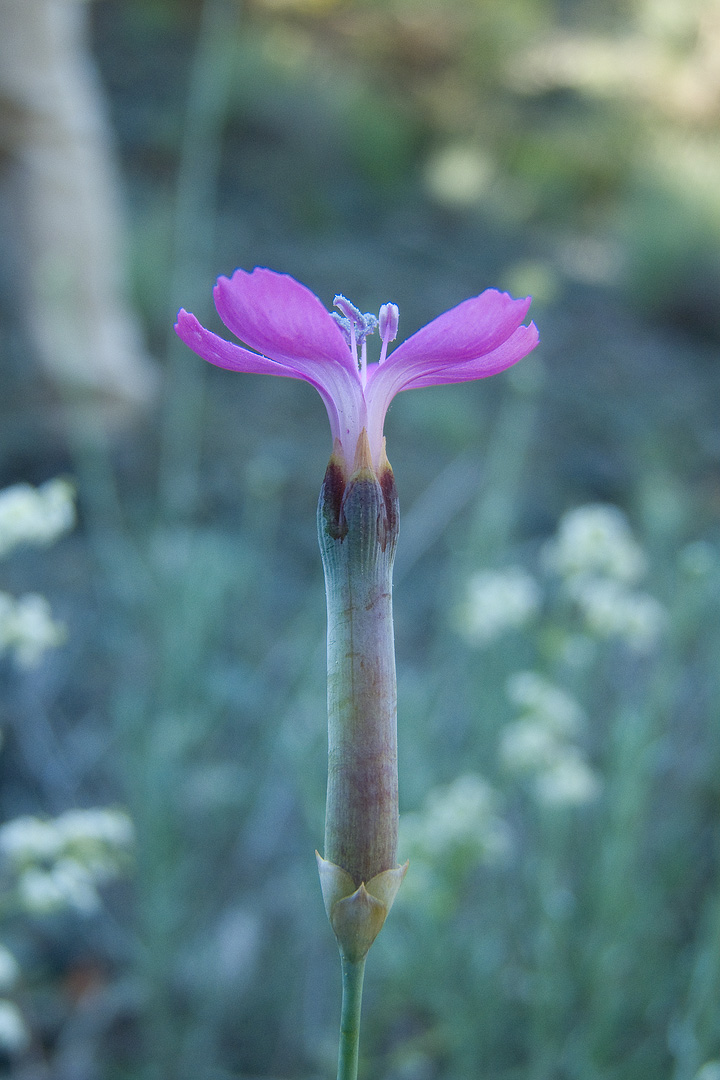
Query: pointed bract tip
pixel 363 463
pixel 335 883
pixel 384 465
pixel 384 886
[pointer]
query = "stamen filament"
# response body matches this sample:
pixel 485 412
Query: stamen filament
pixel 353 342
pixel 363 364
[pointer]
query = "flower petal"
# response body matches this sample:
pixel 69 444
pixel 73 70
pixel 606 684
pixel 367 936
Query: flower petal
pixel 467 331
pixel 518 345
pixel 222 353
pixel 339 388
pixel 281 318
pixel 477 338
pixel 297 338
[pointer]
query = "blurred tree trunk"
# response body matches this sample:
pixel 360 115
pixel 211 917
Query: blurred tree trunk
pixel 60 197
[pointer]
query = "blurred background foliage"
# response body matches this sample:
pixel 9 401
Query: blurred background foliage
pixel 558 675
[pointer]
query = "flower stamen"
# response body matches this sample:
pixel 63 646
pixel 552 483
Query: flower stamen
pixel 355 328
pixel 388 325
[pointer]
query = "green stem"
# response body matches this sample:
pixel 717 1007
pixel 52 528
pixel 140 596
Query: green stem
pixel 352 987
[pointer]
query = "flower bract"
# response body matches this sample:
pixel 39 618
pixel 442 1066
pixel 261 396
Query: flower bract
pixel 288 332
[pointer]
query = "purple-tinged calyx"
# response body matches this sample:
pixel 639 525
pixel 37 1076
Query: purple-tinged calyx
pixel 358 531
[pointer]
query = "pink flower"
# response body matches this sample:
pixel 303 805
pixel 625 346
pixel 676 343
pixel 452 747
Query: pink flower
pixel 292 334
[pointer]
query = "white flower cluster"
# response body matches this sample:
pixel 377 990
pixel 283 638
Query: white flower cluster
pixel 36 516
pixel 540 743
pixel 612 611
pixel 538 697
pixel 497 601
pixel 27 628
pixel 599 560
pixel 595 540
pixel 459 818
pixel 13 1032
pixel 59 863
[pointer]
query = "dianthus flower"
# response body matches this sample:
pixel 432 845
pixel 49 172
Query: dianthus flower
pixel 293 335
pixel 288 332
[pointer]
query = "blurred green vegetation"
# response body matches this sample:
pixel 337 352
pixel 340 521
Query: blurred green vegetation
pixel 412 152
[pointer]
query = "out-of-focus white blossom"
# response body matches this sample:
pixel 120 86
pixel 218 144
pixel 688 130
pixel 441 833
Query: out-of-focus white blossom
pixel 535 694
pixel 596 554
pixel 76 884
pixel 595 540
pixel 95 838
pixel 28 840
pixel 539 745
pixel 27 628
pixel 13 1033
pixel 94 827
pixel 528 745
pixel 60 863
pixel 569 781
pixel 9 969
pixel 497 601
pixel 66 885
pixel 38 891
pixel 612 611
pixel 459 816
pixel 36 516
pixel 458 176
